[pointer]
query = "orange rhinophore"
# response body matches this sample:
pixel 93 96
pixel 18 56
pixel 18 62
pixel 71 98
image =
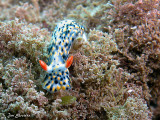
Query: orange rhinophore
pixel 43 65
pixel 69 61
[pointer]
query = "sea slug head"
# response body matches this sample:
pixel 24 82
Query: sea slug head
pixel 50 68
pixel 57 76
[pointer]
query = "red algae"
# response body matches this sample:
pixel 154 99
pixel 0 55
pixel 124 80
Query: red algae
pixel 114 73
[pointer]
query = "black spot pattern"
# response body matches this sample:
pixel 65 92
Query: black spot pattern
pixel 62 37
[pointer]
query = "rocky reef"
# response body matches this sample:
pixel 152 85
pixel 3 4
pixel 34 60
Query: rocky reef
pixel 115 74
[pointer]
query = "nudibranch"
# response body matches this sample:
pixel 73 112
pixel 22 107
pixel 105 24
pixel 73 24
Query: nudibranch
pixel 57 73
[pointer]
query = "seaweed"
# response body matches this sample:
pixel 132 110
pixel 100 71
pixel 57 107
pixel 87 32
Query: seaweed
pixel 114 73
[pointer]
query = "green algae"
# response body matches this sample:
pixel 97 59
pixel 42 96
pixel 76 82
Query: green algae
pixel 67 100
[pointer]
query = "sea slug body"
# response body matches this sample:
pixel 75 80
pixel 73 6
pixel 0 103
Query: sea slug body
pixel 57 76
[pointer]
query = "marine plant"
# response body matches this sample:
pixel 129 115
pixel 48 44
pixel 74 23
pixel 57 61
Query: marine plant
pixel 112 73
